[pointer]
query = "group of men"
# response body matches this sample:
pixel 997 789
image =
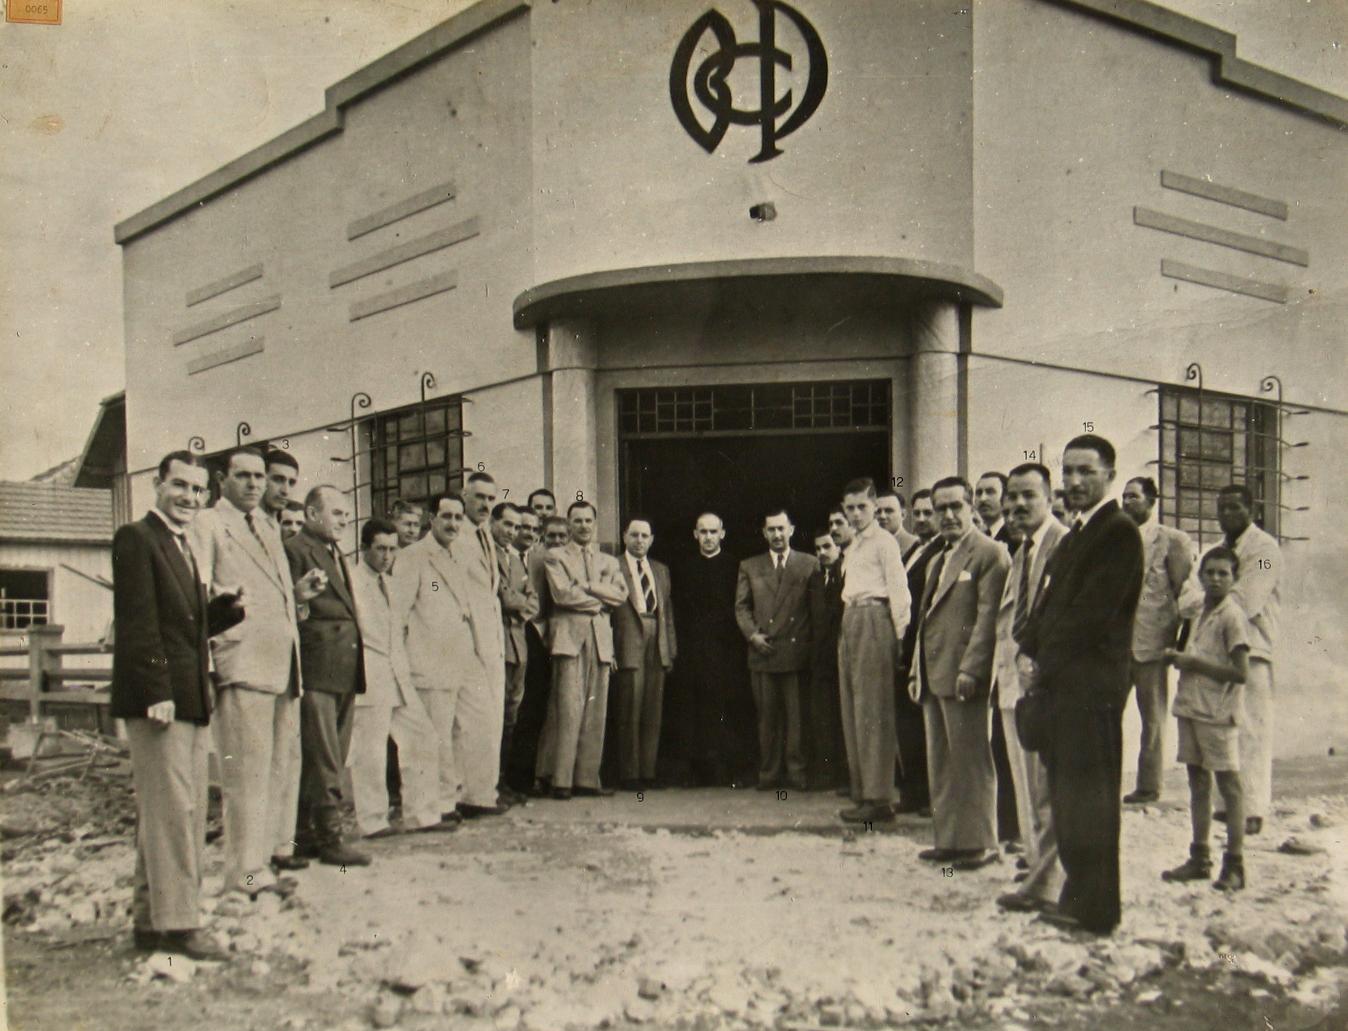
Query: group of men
pixel 479 638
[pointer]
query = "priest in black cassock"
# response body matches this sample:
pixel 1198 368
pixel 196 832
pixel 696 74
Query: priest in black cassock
pixel 713 717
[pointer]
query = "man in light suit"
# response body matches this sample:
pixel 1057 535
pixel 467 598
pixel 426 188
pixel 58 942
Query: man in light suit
pixel 390 706
pixel 161 688
pixel 773 612
pixel 645 646
pixel 889 512
pixel 585 586
pixel 1028 490
pixel 555 533
pixel 430 600
pixel 519 604
pixel 1077 642
pixel 334 674
pixel 1166 561
pixel 951 674
pixel 479 713
pixel 257 672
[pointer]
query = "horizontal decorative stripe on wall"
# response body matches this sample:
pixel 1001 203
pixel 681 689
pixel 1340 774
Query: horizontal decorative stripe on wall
pixel 1152 219
pixel 435 241
pixel 253 345
pixel 1224 194
pixel 1223 281
pixel 224 284
pixel 395 212
pixel 417 291
pixel 229 318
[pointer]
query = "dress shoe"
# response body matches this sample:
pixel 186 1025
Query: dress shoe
pixel 1016 902
pixel 473 812
pixel 925 812
pixel 976 859
pixel 382 832
pixel 561 794
pixel 1141 797
pixel 289 863
pixel 632 785
pixel 1254 824
pixel 194 944
pixel 844 792
pixel 937 855
pixel 1232 877
pixel 540 788
pixel 443 827
pixel 452 816
pixel 1055 917
pixel 587 792
pixel 867 814
pixel 797 785
pixel 144 939
pixel 514 797
pixel 342 855
pixel 306 851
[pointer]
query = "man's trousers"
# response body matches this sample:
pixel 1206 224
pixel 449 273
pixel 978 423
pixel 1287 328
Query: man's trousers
pixel 1150 680
pixel 325 741
pixel 577 711
pixel 257 736
pixel 959 767
pixel 867 651
pixel 641 700
pixel 169 771
pixel 1085 767
pixel 411 729
pixel 1256 739
pixel 516 676
pixel 440 706
pixel 479 715
pixel 777 700
pixel 1034 815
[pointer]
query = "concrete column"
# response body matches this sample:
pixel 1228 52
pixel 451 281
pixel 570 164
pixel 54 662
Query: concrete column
pixel 933 395
pixel 572 359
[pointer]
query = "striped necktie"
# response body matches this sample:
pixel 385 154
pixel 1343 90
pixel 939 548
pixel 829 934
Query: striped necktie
pixel 647 588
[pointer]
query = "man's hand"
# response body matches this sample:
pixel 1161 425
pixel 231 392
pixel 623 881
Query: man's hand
pixel 761 644
pixel 161 713
pixel 914 692
pixel 1028 671
pixel 965 687
pixel 311 585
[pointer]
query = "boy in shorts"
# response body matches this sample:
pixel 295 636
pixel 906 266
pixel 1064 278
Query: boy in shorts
pixel 1212 671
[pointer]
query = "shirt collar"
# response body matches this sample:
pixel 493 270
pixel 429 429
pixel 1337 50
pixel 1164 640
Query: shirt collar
pixel 712 555
pixel 996 527
pixel 1086 516
pixel 173 528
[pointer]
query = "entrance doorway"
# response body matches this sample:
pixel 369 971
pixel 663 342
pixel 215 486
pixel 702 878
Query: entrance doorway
pixel 791 445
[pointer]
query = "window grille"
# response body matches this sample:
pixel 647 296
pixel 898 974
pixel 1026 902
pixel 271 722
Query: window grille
pixel 24 600
pixel 1211 440
pixel 415 453
pixel 757 408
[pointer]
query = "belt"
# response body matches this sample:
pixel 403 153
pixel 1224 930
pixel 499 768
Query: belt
pixel 868 601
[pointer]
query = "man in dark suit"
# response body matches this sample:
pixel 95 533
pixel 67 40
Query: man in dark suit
pixel 334 673
pixel 519 604
pixel 774 617
pixel 645 647
pixel 821 709
pixel 161 688
pixel 1077 641
pixel 951 675
pixel 711 679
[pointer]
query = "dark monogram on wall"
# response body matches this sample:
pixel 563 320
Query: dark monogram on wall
pixel 777 117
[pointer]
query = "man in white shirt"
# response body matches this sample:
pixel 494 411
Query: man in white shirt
pixel 390 705
pixel 1256 592
pixel 1166 561
pixel 876 609
pixel 645 647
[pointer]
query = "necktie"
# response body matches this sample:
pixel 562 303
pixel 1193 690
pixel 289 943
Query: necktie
pixel 337 561
pixel 647 588
pixel 585 559
pixel 934 577
pixel 252 528
pixel 1022 610
pixel 383 586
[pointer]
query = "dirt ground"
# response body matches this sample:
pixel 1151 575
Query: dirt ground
pixel 695 909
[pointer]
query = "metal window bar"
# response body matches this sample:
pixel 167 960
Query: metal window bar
pixel 754 409
pixel 415 452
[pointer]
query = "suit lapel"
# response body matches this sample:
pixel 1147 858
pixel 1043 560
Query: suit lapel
pixel 321 556
pixel 632 585
pixel 237 528
pixel 949 573
pixel 182 572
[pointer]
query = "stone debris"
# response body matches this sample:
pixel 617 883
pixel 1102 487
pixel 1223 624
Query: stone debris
pixel 387 1009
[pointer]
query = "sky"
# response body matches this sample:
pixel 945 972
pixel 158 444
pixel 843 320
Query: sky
pixel 130 100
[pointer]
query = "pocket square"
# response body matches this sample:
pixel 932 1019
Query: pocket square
pixel 965 575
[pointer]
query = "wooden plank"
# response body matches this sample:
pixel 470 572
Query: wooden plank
pixel 224 284
pixel 226 319
pixel 14 694
pixel 1223 281
pixel 427 244
pixel 251 346
pixel 1153 219
pixel 1224 194
pixel 417 291
pixel 402 209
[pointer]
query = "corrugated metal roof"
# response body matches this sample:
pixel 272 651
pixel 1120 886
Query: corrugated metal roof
pixel 54 512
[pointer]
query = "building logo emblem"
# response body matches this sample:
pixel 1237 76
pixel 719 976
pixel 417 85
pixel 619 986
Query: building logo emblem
pixel 777 117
